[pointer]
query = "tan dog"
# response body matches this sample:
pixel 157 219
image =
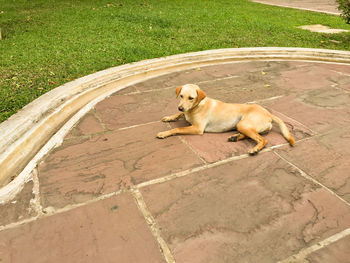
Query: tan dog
pixel 209 115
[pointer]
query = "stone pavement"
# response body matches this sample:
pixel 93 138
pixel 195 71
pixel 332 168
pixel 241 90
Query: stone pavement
pixel 323 6
pixel 112 192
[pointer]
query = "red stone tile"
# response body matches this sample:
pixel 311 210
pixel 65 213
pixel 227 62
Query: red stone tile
pixel 120 111
pixel 318 110
pixel 214 146
pixel 112 230
pixel 338 252
pixel 19 208
pixel 246 88
pixel 308 76
pixel 81 169
pixel 325 158
pixel 243 67
pixel 252 210
pixel 339 74
pixel 89 125
pixel 184 77
pixel 213 73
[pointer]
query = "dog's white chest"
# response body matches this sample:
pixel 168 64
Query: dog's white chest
pixel 188 118
pixel 221 125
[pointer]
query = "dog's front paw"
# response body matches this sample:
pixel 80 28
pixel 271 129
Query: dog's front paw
pixel 162 135
pixel 167 119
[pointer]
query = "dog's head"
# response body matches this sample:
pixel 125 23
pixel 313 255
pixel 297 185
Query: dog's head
pixel 190 96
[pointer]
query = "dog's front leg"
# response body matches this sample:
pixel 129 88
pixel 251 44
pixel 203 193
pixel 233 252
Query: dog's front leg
pixel 181 130
pixel 174 117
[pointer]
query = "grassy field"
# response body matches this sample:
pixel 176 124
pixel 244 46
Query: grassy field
pixel 46 43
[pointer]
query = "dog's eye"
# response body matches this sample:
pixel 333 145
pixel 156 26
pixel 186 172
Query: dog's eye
pixel 181 96
pixel 190 98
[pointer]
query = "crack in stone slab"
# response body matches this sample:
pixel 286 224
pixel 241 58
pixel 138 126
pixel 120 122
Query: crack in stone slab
pixel 305 175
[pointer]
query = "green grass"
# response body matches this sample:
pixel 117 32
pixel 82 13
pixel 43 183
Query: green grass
pixel 47 43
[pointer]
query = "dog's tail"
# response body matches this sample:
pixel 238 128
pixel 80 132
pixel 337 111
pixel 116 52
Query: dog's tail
pixel 285 132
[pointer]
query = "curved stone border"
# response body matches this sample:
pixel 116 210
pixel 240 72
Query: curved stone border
pixel 41 125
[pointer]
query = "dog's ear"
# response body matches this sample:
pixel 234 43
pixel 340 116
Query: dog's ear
pixel 200 95
pixel 178 90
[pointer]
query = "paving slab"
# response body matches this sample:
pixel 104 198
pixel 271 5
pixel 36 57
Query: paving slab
pixel 303 76
pixel 111 230
pixel 254 210
pixel 120 111
pixel 88 125
pixel 112 192
pixel 82 169
pixel 325 158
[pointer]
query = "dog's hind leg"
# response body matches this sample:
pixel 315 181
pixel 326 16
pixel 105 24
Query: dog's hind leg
pixel 253 134
pixel 236 137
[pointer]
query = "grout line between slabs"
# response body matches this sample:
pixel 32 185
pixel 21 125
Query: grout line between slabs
pixel 308 177
pixel 152 225
pixel 108 131
pixel 267 99
pixel 191 148
pixel 210 165
pixel 98 117
pixel 18 223
pixel 193 170
pixel 50 211
pixel 218 79
pixel 302 254
pixel 187 144
pixel 136 125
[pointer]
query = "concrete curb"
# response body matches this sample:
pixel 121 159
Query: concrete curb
pixel 41 125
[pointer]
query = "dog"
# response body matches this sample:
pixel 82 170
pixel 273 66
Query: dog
pixel 210 115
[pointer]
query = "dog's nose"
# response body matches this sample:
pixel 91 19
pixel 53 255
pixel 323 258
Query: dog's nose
pixel 181 108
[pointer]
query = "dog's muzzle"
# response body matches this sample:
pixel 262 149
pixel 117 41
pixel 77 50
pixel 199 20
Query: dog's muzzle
pixel 180 108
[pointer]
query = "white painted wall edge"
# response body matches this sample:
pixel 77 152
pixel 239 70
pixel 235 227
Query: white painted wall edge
pixel 41 125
